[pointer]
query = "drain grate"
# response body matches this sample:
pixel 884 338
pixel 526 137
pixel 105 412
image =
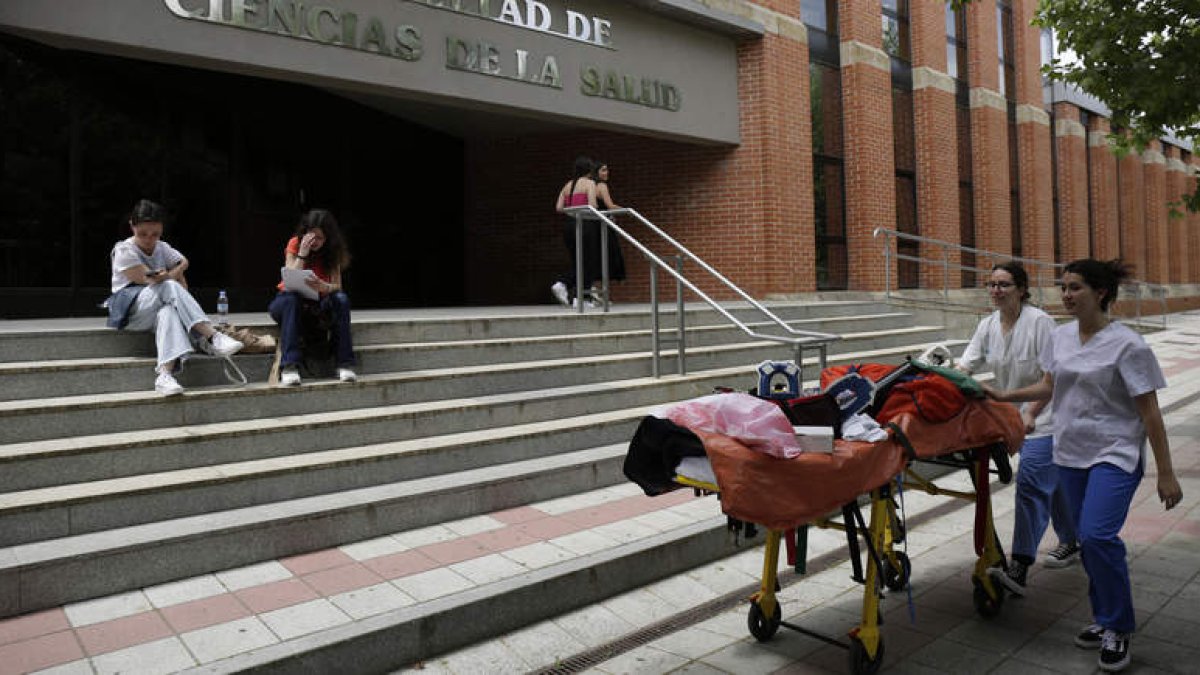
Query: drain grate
pixel 582 661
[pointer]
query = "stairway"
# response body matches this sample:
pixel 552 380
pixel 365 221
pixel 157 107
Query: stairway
pixel 107 487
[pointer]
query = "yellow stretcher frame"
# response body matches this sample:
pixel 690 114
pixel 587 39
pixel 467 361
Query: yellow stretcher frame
pixel 885 566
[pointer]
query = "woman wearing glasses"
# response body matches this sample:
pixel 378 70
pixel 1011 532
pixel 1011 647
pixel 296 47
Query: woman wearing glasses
pixel 1009 342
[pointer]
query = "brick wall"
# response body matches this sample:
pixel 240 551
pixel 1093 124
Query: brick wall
pixel 1156 215
pixel 1070 140
pixel 1176 223
pixel 867 128
pixel 936 150
pixel 1132 211
pixel 989 133
pixel 746 210
pixel 1102 190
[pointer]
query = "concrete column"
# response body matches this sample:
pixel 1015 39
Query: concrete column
pixel 989 133
pixel 1132 211
pixel 1033 140
pixel 1102 189
pixel 867 130
pixel 1157 269
pixel 935 122
pixel 1071 178
pixel 1177 220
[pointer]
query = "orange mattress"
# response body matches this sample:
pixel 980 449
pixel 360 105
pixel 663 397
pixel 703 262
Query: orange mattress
pixel 781 494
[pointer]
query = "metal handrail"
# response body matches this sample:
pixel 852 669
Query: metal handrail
pixel 798 339
pixel 1036 269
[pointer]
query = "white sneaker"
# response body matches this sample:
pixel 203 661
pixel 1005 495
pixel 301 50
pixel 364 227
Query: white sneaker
pixel 166 385
pixel 221 344
pixel 347 375
pixel 559 291
pixel 289 376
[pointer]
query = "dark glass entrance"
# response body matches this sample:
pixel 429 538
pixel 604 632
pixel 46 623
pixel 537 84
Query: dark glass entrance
pixel 235 160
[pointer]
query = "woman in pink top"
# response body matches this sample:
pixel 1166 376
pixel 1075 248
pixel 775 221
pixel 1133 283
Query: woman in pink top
pixel 579 191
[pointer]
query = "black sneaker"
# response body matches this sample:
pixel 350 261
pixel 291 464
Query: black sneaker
pixel 1114 651
pixel 1090 636
pixel 1013 579
pixel 1063 556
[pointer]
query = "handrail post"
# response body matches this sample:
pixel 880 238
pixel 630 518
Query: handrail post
pixel 604 264
pixel 655 345
pixel 946 274
pixel 887 265
pixel 681 345
pixel 579 262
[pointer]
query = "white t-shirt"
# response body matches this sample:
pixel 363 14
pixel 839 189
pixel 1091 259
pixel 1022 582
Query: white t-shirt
pixel 1013 358
pixel 1094 386
pixel 126 254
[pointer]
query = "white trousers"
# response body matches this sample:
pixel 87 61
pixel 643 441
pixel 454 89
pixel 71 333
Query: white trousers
pixel 172 312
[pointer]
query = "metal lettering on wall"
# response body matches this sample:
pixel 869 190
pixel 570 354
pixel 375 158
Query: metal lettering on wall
pixel 330 25
pixel 320 23
pixel 532 15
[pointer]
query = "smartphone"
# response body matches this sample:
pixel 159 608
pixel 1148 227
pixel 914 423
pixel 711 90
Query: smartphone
pixel 155 273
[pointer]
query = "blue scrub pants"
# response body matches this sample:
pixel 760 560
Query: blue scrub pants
pixel 1099 496
pixel 1039 500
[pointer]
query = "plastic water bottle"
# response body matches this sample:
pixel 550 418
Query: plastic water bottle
pixel 222 306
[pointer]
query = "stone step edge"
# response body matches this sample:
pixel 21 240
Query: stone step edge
pixel 370 317
pixel 100 442
pixel 125 361
pixel 21 406
pixel 199 477
pixel 407 635
pixel 31 575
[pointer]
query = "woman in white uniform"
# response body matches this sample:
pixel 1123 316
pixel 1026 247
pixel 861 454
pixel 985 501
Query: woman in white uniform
pixel 1102 380
pixel 1007 343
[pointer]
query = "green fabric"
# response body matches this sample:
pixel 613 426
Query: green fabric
pixel 965 383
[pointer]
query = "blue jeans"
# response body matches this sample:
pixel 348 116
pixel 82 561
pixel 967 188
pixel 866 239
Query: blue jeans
pixel 1099 497
pixel 1039 500
pixel 288 309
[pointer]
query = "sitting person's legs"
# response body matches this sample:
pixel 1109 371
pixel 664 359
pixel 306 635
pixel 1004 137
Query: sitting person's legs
pixel 174 314
pixel 337 307
pixel 286 309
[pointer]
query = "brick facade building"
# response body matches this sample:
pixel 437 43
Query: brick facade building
pixel 802 126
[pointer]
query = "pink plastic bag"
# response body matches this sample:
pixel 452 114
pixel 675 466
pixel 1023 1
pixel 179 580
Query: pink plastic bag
pixel 759 425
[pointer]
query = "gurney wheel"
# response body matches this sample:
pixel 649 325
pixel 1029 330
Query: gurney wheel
pixel 896 579
pixel 985 604
pixel 860 663
pixel 761 627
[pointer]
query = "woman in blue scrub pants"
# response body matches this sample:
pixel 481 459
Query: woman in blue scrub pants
pixel 1102 381
pixel 1008 342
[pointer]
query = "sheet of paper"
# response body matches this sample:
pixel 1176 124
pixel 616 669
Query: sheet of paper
pixel 293 280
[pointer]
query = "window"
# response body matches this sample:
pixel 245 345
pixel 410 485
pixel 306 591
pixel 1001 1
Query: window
pixel 966 193
pixel 819 14
pixel 1004 49
pixel 896 35
pixel 829 207
pixel 956 42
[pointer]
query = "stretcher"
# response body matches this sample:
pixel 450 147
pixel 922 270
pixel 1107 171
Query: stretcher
pixel 804 492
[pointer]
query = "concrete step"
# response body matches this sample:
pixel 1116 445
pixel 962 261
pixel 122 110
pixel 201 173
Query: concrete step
pixel 71 509
pixel 74 459
pixel 41 379
pixel 42 419
pixel 32 575
pixel 30 341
